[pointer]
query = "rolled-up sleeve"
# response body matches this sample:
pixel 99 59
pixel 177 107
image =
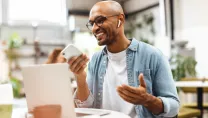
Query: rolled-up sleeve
pixel 171 107
pixel 85 104
pixel 165 89
pixel 88 103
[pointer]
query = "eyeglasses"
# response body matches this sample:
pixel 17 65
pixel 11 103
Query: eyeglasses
pixel 98 21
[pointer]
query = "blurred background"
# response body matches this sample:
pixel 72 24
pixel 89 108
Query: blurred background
pixel 30 30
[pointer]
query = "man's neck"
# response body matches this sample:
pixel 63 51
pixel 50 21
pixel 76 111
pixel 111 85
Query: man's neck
pixel 118 46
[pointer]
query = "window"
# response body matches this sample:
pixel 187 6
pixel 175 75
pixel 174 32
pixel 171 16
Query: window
pixel 40 11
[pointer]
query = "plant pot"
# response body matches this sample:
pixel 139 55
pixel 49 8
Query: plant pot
pixel 6 100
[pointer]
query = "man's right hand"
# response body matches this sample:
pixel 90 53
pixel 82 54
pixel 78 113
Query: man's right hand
pixel 78 64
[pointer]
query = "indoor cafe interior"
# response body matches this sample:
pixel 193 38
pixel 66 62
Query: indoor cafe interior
pixel 35 33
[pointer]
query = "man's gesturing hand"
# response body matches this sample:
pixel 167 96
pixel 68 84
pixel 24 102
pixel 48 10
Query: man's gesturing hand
pixel 134 95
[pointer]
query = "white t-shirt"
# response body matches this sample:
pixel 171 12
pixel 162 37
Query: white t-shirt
pixel 116 74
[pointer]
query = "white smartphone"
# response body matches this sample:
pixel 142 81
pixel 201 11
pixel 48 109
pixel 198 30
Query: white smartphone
pixel 70 51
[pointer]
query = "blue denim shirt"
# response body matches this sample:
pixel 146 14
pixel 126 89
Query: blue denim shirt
pixel 141 58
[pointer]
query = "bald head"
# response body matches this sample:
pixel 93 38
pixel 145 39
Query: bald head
pixel 107 7
pixel 106 22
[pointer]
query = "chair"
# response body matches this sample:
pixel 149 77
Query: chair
pixel 193 90
pixel 188 112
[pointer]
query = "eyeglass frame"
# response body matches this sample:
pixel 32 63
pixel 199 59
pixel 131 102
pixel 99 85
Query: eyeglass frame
pixel 93 22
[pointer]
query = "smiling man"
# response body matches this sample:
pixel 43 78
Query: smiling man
pixel 128 76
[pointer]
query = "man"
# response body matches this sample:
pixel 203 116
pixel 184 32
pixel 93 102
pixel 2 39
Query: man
pixel 127 75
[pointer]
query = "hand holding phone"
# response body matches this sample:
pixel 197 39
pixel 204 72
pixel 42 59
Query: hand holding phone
pixel 71 51
pixel 79 62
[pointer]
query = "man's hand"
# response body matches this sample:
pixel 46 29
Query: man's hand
pixel 134 95
pixel 139 96
pixel 78 64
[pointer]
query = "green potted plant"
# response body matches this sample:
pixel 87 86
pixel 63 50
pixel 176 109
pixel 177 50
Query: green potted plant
pixel 14 42
pixel 183 67
pixel 145 24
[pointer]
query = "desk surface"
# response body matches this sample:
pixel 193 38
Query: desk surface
pixel 112 114
pixel 20 108
pixel 191 84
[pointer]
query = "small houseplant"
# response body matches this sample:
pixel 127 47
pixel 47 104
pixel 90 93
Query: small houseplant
pixel 14 42
pixel 183 67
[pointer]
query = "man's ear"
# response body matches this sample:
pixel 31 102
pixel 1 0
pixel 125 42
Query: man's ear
pixel 121 19
pixel 119 23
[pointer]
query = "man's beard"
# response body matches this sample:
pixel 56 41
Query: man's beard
pixel 107 41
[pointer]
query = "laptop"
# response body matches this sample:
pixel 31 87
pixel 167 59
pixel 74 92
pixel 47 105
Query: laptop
pixel 50 84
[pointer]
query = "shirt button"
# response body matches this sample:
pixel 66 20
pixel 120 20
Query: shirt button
pixel 98 94
pixel 104 62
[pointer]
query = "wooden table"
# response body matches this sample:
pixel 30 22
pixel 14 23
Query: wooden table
pixel 196 84
pixel 20 108
pixel 112 114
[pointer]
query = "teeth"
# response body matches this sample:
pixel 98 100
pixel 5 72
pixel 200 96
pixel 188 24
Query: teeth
pixel 99 34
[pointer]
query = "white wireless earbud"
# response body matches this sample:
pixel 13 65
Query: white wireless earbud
pixel 119 22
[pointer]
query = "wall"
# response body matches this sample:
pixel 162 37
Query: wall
pixel 28 32
pixel 191 24
pixel 80 4
pixel 52 35
pixel 79 22
pixel 133 5
pixel 160 39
